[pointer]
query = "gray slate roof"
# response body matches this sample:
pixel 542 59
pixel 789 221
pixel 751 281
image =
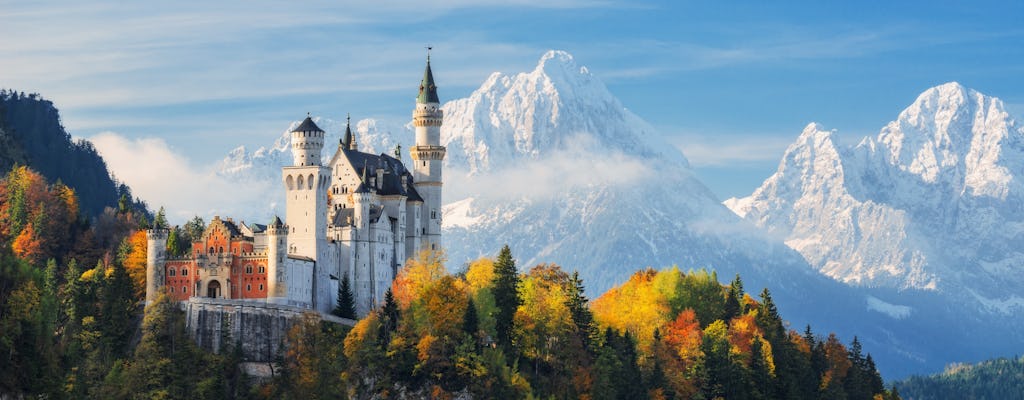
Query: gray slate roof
pixel 307 125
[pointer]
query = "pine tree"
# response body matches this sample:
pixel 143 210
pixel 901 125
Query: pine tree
pixel 160 221
pixel 118 307
pixel 733 299
pixel 506 297
pixel 470 321
pixel 346 306
pixel 579 309
pixel 389 316
pixel 174 247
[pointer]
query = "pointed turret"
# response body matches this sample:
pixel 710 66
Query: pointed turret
pixel 349 142
pixel 428 90
pixel 428 158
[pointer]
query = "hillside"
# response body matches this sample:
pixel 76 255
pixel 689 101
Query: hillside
pixel 1001 379
pixel 31 134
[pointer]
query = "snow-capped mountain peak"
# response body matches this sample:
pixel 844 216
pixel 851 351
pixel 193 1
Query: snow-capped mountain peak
pixel 929 203
pixel 542 112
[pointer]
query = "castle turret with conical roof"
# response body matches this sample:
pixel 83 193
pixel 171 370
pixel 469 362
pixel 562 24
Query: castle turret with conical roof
pixel 428 157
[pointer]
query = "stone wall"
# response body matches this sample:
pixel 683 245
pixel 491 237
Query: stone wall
pixel 260 328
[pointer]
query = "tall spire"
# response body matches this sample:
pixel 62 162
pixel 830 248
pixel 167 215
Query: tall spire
pixel 349 142
pixel 428 90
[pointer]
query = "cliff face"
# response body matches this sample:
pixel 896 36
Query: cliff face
pixel 259 329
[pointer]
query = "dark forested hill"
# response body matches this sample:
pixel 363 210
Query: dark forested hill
pixel 31 133
pixel 1001 378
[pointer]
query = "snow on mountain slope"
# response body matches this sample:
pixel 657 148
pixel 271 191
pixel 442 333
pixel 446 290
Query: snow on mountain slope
pixel 930 203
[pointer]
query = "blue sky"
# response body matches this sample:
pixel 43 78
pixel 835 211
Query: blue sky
pixel 731 83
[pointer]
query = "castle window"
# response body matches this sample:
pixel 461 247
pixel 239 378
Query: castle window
pixel 171 272
pixel 184 289
pixel 433 214
pixel 248 288
pixel 172 289
pixel 248 269
pixel 221 250
pixel 211 249
pixel 184 272
pixel 262 270
pixel 261 287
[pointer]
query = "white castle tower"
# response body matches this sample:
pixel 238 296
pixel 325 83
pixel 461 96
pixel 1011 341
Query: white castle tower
pixel 306 183
pixel 428 157
pixel 156 243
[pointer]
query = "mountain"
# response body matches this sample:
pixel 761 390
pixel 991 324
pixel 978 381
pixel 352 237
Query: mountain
pixel 933 202
pixel 551 163
pixel 31 134
pixel 927 215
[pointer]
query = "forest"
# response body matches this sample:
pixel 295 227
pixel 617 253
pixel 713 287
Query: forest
pixel 1001 378
pixel 72 325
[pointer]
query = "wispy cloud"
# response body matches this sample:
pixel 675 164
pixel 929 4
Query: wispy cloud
pixel 161 176
pixel 713 150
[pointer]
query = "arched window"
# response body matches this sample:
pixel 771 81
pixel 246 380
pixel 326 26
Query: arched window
pixel 248 288
pixel 171 272
pixel 211 249
pixel 221 250
pixel 261 287
pixel 172 289
pixel 184 289
pixel 248 269
pixel 262 269
pixel 184 272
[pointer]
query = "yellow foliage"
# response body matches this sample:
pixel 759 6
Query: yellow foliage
pixel 543 317
pixel 362 335
pixel 135 262
pixel 480 274
pixel 445 303
pixel 636 306
pixel 423 348
pixel 417 275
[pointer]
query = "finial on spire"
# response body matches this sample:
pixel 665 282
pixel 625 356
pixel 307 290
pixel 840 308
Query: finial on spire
pixel 428 90
pixel 398 151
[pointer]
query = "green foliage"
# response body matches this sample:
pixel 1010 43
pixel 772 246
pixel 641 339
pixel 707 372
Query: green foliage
pixel 346 306
pixel 1000 378
pixel 506 297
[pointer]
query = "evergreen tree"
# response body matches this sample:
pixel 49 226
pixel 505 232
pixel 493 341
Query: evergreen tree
pixel 160 221
pixel 506 297
pixel 389 316
pixel 733 299
pixel 174 245
pixel 118 307
pixel 470 321
pixel 346 305
pixel 579 308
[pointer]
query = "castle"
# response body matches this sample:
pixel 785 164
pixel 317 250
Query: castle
pixel 359 215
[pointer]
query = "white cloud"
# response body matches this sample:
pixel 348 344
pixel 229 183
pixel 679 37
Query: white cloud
pixel 549 176
pixel 713 151
pixel 163 177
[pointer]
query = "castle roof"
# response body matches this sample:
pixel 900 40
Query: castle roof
pixel 393 168
pixel 343 217
pixel 428 90
pixel 276 222
pixel 307 125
